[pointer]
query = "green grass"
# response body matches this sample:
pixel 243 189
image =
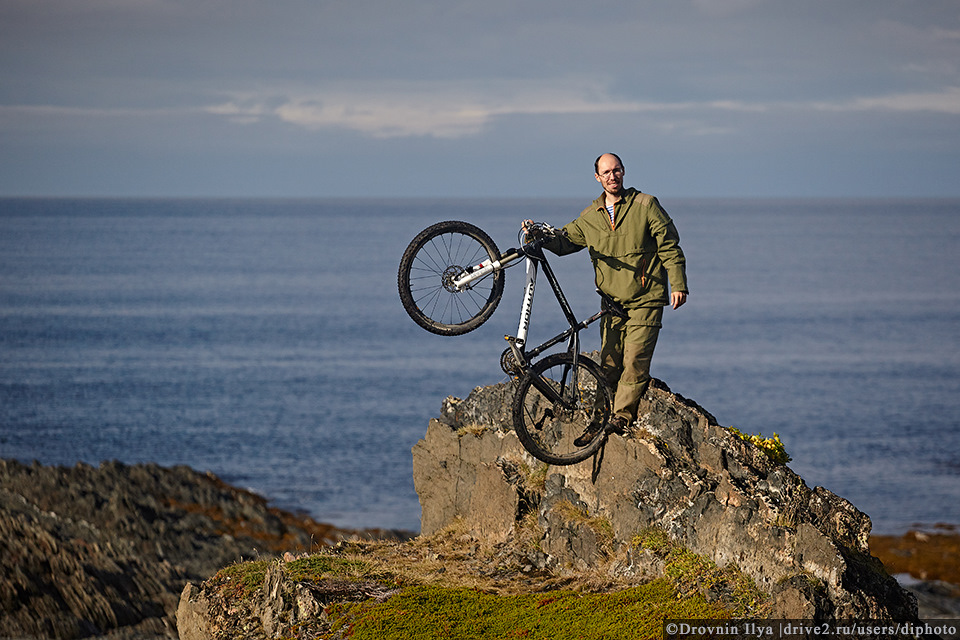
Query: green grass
pixel 432 612
pixel 692 573
pixel 316 567
pixel 454 604
pixel 242 579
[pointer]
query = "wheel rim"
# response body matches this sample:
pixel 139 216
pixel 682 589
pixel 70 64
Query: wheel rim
pixel 432 272
pixel 550 428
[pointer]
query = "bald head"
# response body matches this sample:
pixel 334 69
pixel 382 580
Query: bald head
pixel 608 156
pixel 609 173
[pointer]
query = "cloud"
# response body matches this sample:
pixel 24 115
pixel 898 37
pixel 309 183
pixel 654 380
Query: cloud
pixel 463 109
pixel 237 113
pixel 945 101
pixel 946 34
pixel 386 118
pixel 435 109
pixel 447 110
pixel 459 110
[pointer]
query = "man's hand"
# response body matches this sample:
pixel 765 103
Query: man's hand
pixel 677 298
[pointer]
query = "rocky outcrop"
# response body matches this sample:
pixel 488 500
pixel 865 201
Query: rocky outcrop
pixel 676 470
pixel 280 608
pixel 106 551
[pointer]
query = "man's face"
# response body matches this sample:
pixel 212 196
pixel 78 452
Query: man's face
pixel 610 174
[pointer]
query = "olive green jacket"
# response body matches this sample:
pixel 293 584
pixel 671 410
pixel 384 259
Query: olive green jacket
pixel 638 260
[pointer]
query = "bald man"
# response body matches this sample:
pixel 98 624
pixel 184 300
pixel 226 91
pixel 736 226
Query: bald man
pixel 635 249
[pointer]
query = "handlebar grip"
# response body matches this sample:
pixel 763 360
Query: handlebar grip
pixel 540 232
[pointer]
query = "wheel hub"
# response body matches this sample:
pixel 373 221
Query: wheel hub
pixel 448 276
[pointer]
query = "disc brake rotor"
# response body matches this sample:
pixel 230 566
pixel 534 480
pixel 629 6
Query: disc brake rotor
pixel 448 276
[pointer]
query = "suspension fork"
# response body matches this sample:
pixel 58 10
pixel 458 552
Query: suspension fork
pixel 526 308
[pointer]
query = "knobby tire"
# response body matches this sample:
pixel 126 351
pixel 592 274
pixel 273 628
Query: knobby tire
pixel 547 428
pixel 435 256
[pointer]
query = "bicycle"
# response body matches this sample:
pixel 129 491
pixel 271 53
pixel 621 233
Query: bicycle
pixel 451 279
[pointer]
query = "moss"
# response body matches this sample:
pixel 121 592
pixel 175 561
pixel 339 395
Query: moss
pixel 600 525
pixel 693 573
pixel 240 580
pixel 655 540
pixel 436 612
pixel 772 447
pixel 450 587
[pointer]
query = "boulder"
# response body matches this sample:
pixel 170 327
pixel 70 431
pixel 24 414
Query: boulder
pixel 676 470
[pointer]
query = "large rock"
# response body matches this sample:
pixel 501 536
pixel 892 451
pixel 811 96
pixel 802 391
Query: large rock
pixel 676 470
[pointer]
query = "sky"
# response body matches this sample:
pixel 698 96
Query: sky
pixel 448 98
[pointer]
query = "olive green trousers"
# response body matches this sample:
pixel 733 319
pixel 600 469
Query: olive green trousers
pixel 626 351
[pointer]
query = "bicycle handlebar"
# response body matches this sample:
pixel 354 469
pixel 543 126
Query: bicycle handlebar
pixel 536 233
pixel 531 237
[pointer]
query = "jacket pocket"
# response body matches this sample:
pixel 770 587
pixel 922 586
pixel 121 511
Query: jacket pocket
pixel 625 278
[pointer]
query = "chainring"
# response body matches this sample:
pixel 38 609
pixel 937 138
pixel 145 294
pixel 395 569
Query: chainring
pixel 509 364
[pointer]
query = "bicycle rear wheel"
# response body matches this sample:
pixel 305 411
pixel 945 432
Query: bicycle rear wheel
pixel 554 404
pixel 431 261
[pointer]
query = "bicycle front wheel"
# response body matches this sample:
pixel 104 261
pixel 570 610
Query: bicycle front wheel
pixel 429 265
pixel 556 403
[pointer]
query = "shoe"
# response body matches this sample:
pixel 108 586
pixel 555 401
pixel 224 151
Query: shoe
pixel 592 431
pixel 617 424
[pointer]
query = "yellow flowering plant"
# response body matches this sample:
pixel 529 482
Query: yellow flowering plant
pixel 773 447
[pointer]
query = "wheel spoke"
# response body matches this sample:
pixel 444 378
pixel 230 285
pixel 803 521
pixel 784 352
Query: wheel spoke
pixel 431 263
pixel 556 403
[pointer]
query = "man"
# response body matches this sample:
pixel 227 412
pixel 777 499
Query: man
pixel 635 249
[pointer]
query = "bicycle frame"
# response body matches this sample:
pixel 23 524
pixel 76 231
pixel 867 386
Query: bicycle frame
pixel 533 254
pixel 557 395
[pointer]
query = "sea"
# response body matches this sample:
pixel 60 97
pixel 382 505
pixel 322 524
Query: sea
pixel 264 340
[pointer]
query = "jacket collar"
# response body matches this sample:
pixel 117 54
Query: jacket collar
pixel 626 198
pixel 629 193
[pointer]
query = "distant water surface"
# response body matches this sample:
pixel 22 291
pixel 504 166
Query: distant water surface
pixel 264 340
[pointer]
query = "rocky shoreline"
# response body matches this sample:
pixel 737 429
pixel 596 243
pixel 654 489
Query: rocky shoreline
pixel 106 551
pixel 926 561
